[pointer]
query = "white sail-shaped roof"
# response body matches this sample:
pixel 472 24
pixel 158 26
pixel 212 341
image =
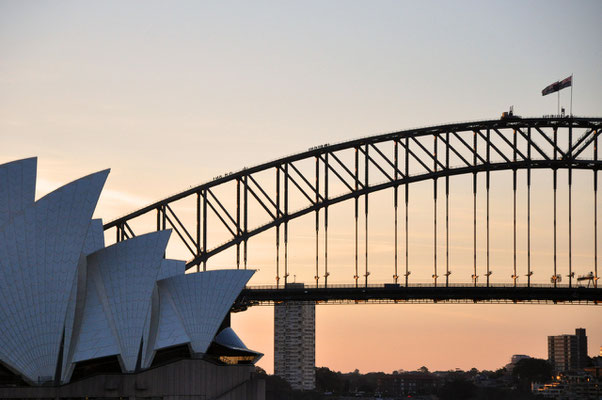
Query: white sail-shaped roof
pixel 95 338
pixel 75 308
pixel 171 268
pixel 151 326
pixel 201 301
pixel 95 238
pixel 59 285
pixel 17 187
pixel 228 338
pixel 40 248
pixel 171 329
pixel 125 274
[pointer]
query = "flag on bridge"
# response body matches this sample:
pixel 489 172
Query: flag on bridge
pixel 556 86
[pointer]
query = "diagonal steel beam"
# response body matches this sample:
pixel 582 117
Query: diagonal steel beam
pixel 509 143
pixel 126 225
pixel 474 153
pixel 550 141
pixel 580 140
pixel 415 156
pixel 219 203
pixel 290 178
pixel 494 147
pixel 375 164
pixel 384 157
pixel 335 171
pixel 264 193
pixel 533 144
pixel 312 187
pixel 175 228
pixel 428 152
pixel 168 208
pixel 453 149
pixel 590 140
pixel 221 218
pixel 351 174
pixel 259 200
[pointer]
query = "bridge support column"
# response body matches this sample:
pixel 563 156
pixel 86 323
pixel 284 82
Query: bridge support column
pixel 294 343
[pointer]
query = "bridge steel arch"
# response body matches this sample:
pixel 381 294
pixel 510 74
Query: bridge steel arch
pixel 370 164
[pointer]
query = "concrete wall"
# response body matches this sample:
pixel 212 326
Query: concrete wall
pixel 184 379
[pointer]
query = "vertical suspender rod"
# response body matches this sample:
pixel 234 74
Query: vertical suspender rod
pixel 529 273
pixel 278 215
pixel 555 176
pixel 407 198
pixel 286 274
pixel 326 274
pixel 366 165
pixel 356 276
pixel 435 211
pixel 514 275
pixel 487 183
pixel 570 172
pixel 317 277
pixel 475 277
pixel 238 230
pixel 447 272
pixel 395 205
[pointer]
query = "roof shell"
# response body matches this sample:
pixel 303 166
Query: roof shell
pixel 17 187
pixel 125 275
pixel 201 301
pixel 39 252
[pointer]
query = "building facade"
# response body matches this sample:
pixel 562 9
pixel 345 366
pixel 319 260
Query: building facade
pixel 295 343
pixel 568 352
pixel 408 384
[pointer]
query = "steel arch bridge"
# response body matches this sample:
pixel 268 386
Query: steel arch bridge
pixel 360 167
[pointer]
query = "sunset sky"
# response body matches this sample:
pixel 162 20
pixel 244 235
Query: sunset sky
pixel 171 94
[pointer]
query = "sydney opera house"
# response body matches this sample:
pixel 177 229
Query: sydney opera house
pixel 81 320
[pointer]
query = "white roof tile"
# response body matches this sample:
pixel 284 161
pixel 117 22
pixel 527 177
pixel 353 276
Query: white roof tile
pixel 39 255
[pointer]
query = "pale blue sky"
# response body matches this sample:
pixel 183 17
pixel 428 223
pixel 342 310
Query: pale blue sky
pixel 170 94
pixel 198 77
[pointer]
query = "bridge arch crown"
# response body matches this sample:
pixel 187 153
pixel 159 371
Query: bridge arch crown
pixel 312 181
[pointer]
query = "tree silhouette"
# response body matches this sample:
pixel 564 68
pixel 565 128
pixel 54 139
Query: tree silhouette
pixel 531 370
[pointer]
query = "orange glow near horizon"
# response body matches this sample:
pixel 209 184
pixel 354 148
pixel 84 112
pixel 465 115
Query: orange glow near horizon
pixel 170 94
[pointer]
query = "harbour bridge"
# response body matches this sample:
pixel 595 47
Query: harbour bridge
pixel 275 193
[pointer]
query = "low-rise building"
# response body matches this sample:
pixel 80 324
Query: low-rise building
pixel 581 386
pixel 408 384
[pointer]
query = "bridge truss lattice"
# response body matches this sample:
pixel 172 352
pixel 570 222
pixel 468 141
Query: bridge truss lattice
pixel 360 167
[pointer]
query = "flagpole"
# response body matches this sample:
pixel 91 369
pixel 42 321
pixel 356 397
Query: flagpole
pixel 558 109
pixel 572 83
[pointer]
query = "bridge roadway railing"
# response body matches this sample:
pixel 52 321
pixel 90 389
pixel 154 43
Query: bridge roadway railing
pixel 420 293
pixel 409 285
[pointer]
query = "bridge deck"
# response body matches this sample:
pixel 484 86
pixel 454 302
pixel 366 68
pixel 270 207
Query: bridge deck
pixel 389 293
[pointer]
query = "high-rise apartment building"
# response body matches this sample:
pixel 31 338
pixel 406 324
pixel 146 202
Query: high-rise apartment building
pixel 295 343
pixel 568 352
